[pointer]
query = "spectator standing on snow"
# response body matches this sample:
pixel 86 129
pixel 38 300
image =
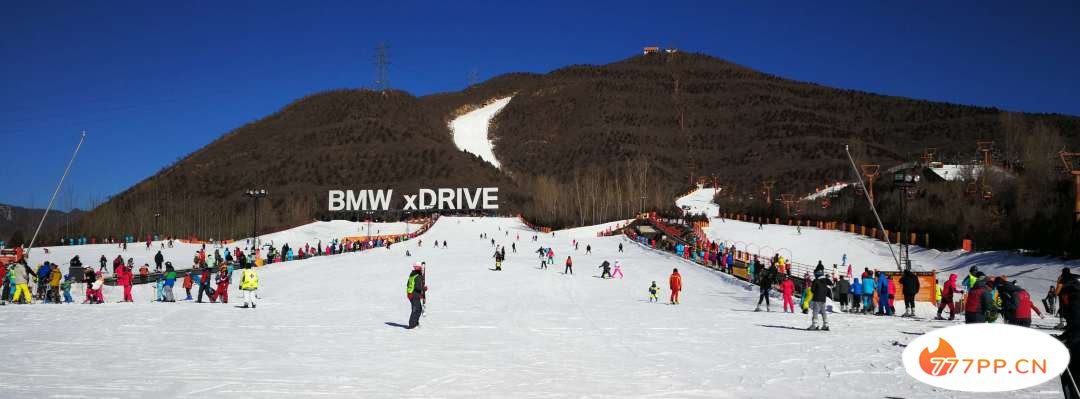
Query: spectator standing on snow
pixel 819 290
pixel 856 295
pixel 867 292
pixel 675 283
pixel 910 287
pixel 415 290
pixel 159 259
pixel 947 291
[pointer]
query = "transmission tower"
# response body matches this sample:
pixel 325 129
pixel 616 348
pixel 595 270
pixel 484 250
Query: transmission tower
pixel 474 77
pixel 382 66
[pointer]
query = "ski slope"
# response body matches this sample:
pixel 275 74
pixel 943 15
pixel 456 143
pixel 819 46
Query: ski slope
pixel 835 188
pixel 326 327
pixel 471 130
pixel 699 201
pixel 182 254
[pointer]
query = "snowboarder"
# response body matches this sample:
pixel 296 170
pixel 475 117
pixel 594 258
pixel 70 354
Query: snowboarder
pixel 249 283
pixel 653 292
pixel 606 270
pixel 415 290
pixel 819 290
pixel 675 284
pixel 569 266
pixel 910 284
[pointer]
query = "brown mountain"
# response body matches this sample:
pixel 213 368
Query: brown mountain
pixel 578 145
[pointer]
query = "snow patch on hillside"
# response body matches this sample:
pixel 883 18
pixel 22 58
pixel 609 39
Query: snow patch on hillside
pixel 699 201
pixel 471 131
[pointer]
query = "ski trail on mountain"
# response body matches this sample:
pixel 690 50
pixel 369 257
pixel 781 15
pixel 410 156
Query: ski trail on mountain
pixel 471 131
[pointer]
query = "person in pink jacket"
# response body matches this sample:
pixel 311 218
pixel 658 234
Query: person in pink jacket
pixel 787 288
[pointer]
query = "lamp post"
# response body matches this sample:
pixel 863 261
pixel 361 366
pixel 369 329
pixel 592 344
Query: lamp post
pixel 255 195
pixel 156 216
pixel 905 180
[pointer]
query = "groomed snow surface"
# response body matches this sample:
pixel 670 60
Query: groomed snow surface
pixel 327 327
pixel 699 201
pixel 471 130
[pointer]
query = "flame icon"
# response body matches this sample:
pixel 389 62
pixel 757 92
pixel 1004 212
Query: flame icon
pixel 936 363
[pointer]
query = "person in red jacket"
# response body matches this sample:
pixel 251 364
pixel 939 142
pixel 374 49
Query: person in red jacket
pixel 787 288
pixel 223 280
pixel 675 283
pixel 123 278
pixel 947 291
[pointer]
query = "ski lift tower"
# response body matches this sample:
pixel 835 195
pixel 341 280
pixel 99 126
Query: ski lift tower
pixel 788 200
pixel 986 147
pixel 1072 165
pixel 870 170
pixel 768 190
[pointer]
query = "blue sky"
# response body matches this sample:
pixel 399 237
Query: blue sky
pixel 154 81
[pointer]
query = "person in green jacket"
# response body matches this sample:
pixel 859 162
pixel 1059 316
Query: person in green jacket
pixel 66 287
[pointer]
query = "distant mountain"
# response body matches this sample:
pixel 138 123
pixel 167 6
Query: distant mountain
pixel 577 145
pixel 25 220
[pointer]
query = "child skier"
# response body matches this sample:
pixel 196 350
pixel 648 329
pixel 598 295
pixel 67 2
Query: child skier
pixel 653 292
pixel 617 270
pixel 66 287
pixel 188 283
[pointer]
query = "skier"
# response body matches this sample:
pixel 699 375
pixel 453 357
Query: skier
pixel 498 260
pixel 204 285
pixel 653 291
pixel 1068 291
pixel 1048 301
pixel 66 288
pixel 947 292
pixel 617 270
pixel 765 282
pixel 187 284
pixel 415 290
pixel 979 301
pixel 1016 304
pixel 170 281
pixel 249 283
pixel 606 267
pixel 675 284
pixel 856 295
pixel 819 291
pixel 867 292
pixel 89 277
pixel 842 288
pixel 588 250
pixel 787 288
pixel 910 284
pixel 19 274
pixel 620 247
pixel 569 266
pixel 123 279
pixel 159 259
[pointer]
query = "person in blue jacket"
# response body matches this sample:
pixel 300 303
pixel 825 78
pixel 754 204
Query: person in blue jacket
pixel 882 287
pixel 856 295
pixel 868 292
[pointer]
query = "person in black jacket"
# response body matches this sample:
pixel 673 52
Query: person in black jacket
pixel 819 290
pixel 606 270
pixel 1069 292
pixel 415 290
pixel 158 260
pixel 909 283
pixel 842 288
pixel 765 281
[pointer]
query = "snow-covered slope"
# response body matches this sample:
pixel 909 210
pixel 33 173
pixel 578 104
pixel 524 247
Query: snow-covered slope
pixel 828 190
pixel 327 327
pixel 471 130
pixel 699 201
pixel 829 246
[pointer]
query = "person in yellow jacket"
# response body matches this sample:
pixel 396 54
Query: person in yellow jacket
pixel 937 293
pixel 249 283
pixel 54 284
